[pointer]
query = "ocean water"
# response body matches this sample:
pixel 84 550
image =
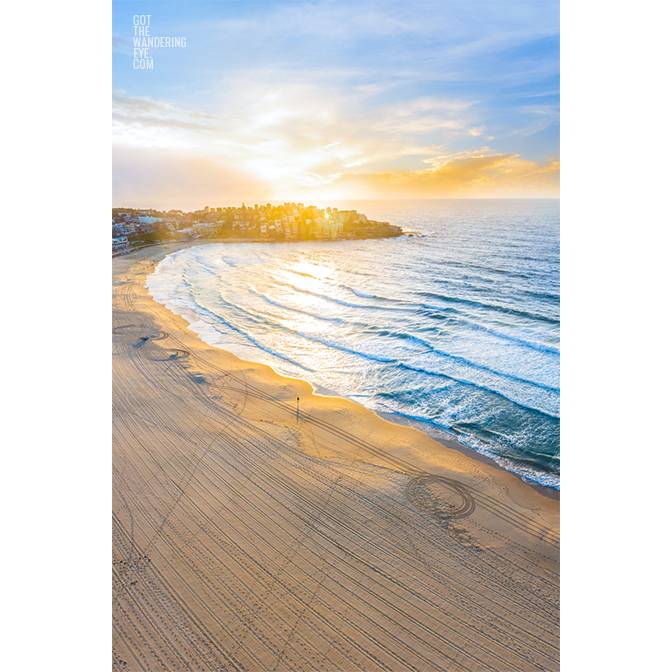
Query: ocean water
pixel 457 328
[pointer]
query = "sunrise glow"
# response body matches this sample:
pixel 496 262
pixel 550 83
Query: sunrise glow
pixel 305 101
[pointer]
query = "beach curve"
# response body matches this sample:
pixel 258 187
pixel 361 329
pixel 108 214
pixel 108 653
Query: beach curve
pixel 245 539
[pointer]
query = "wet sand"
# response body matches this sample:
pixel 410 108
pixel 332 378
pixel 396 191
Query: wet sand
pixel 244 539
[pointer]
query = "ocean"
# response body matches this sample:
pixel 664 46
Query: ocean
pixel 455 328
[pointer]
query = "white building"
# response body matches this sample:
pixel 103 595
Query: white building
pixel 119 243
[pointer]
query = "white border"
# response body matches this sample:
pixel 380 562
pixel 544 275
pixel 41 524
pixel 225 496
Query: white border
pixel 57 336
pixel 615 365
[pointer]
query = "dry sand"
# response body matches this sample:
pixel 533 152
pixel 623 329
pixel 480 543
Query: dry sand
pixel 243 540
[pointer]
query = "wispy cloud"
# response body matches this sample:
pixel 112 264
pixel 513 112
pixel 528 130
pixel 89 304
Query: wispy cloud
pixel 295 130
pixel 286 137
pixel 536 118
pixel 315 94
pixel 180 178
pixel 349 21
pixel 122 45
pixel 141 121
pixel 466 174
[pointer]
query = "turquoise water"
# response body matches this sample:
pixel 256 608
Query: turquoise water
pixel 456 328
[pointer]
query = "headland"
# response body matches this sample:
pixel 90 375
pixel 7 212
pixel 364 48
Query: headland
pixel 133 227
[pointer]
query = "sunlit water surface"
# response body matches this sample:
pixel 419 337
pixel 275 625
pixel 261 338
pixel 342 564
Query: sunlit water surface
pixel 457 329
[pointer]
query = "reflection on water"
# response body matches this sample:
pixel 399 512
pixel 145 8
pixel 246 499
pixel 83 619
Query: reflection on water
pixel 459 328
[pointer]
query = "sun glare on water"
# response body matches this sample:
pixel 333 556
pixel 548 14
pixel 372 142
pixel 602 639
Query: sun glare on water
pixel 301 284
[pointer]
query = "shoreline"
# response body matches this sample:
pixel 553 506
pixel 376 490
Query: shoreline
pixel 337 539
pixel 441 436
pixel 450 443
pixel 231 241
pixel 446 440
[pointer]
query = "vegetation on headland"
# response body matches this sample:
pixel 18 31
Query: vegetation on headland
pixel 291 221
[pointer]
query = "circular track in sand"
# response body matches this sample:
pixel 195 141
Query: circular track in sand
pixel 139 332
pixel 442 497
pixel 167 355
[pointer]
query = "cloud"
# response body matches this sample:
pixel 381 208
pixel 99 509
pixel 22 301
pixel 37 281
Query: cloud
pixel 380 97
pixel 303 140
pixel 142 121
pixel 323 21
pixel 142 109
pixel 538 117
pixel 169 178
pixel 122 45
pixel 466 174
pixel 292 133
pixel 390 40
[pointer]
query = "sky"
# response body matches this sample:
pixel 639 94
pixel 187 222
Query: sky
pixel 293 101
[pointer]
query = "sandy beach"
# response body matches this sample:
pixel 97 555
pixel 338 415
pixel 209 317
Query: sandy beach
pixel 245 538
